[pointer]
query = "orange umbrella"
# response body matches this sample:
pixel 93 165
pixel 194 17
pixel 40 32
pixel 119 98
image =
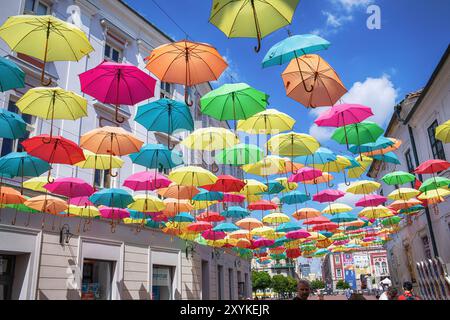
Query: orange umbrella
pixel 306 213
pixel 325 178
pixel 243 243
pixel 187 63
pixel 394 147
pixel 47 204
pixel 10 196
pixel 114 141
pixel 174 206
pixel 404 204
pixel 311 81
pixel 178 192
pixel 290 166
pixel 249 223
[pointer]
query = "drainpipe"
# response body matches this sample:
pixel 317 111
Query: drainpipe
pixel 416 159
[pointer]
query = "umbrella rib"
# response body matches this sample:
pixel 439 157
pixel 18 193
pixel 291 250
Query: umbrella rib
pixel 170 65
pixel 264 1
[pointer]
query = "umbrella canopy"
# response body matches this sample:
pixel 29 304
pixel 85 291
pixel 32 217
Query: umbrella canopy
pixel 226 227
pixel 236 101
pixel 443 132
pixel 36 184
pixel 434 183
pixel 183 217
pixel 293 144
pixel 199 226
pixel 343 217
pixel 235 212
pixel 178 192
pixel 10 196
pixel 306 213
pixel 381 143
pixel 46 38
pixel 112 197
pixel 316 220
pixel 405 204
pixel 363 187
pixel 269 165
pixel 276 218
pixel 320 156
pixel 305 174
pixel 47 204
pixel 249 223
pixel 286 184
pixel 267 122
pixel 372 200
pixel 324 178
pixel 273 187
pixel 226 183
pixel 240 154
pixel 437 193
pixel 156 156
pixel 432 166
pixel 186 62
pixel 262 205
pixel 114 213
pixel 229 197
pixel 335 208
pixel 20 164
pixel 337 165
pixel 364 163
pixel 297 234
pixel 12 126
pixel 146 203
pixel 311 81
pixel 210 196
pixel 391 221
pixel 251 19
pixel 358 133
pixel 292 48
pixel 209 216
pixel 262 242
pixel 329 195
pixel 210 138
pixel 146 180
pixel 398 178
pixel 287 227
pixel 99 161
pixel 330 226
pixel 176 205
pixel 82 211
pixel 192 176
pixel 12 76
pixel 294 197
pixel 389 157
pixel 343 114
pixel 253 187
pixel 70 187
pixel 118 83
pixel 375 212
pixel 213 235
pixel 403 194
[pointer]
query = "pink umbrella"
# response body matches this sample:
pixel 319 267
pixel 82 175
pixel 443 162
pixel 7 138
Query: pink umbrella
pixel 369 239
pixel 199 226
pixel 229 197
pixel 329 195
pixel 341 242
pixel 213 235
pixel 160 218
pixel 305 174
pixel 298 234
pixel 263 242
pixel 372 200
pixel 114 213
pixel 80 201
pixel 146 180
pixel 343 115
pixel 118 83
pixel 70 187
pixel 262 205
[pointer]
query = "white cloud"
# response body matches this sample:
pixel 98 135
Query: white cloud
pixel 349 198
pixel 230 75
pixel 376 93
pixel 322 134
pixel 336 21
pixel 349 5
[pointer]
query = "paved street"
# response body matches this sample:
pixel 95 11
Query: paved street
pixel 340 297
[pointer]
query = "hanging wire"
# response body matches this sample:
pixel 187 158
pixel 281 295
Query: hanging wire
pixel 170 18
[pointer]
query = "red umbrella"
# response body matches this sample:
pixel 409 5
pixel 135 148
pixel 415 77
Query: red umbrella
pixel 263 242
pixel 229 197
pixel 262 205
pixel 328 195
pixel 372 200
pixel 226 183
pixel 213 235
pixel 199 226
pixel 210 217
pixel 118 83
pixel 293 253
pixel 432 166
pixel 316 220
pixel 330 226
pixel 54 150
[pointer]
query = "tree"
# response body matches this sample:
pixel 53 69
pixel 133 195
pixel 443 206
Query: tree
pixel 261 280
pixel 342 285
pixel 292 286
pixel 280 284
pixel 317 284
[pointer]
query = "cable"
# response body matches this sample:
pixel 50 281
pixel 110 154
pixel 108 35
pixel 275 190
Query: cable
pixel 163 11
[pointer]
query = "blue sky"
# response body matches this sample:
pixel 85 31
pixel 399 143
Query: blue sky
pixel 378 67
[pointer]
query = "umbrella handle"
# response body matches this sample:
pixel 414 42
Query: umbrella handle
pixel 186 97
pixel 119 119
pixel 45 141
pixel 258 48
pixel 169 146
pixel 114 175
pixel 214 167
pixel 306 89
pixel 49 178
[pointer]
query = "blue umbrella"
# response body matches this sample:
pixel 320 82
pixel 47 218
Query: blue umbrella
pixel 154 224
pixel 295 197
pixel 12 125
pixel 326 233
pixel 166 116
pixel 235 212
pixel 389 157
pixel 204 195
pixel 321 156
pixel 156 156
pixel 226 227
pixel 354 163
pixel 381 143
pixel 280 241
pixel 12 76
pixel 274 187
pixel 293 47
pixel 343 217
pixel 288 226
pixel 20 164
pixel 113 197
pixel 136 215
pixel 183 217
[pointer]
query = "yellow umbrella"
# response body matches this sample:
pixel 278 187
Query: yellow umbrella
pixel 200 205
pixel 85 212
pixel 293 144
pixel 99 161
pixel 292 244
pixel 270 165
pixel 363 187
pixel 275 235
pixel 249 223
pixel 433 194
pixel 443 132
pixel 253 197
pixel 316 236
pixel 334 166
pixel 210 138
pixel 375 212
pixel 46 38
pixel 270 121
pixel 403 194
pixel 192 176
pixel 147 203
pixel 263 232
pixel 239 234
pixel 252 187
pixel 53 103
pixel 276 218
pixel 337 208
pixel 286 184
pixel 37 184
pixel 364 163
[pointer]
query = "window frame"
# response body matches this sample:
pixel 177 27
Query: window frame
pixel 36 6
pixel 437 147
pixel 113 47
pixel 426 246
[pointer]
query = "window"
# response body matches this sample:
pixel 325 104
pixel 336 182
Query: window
pixel 166 90
pixel 377 268
pixel 426 247
pixel 7 264
pixel 337 259
pixel 162 282
pixel 205 280
pixel 436 146
pixel 102 178
pixel 36 7
pixel 231 284
pixel 113 53
pixel 409 163
pixel 11 145
pixel 384 269
pixel 338 273
pixel 97 280
pixel 220 282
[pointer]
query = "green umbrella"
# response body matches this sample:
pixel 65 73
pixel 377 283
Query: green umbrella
pixel 240 154
pixel 434 183
pixel 391 221
pixel 358 133
pixel 398 177
pixel 236 101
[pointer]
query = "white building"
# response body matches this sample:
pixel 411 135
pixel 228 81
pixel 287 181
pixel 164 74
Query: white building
pixel 414 124
pixel 121 265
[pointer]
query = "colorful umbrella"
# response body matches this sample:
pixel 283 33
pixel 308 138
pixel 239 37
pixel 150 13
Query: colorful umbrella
pixel 192 176
pixel 187 63
pixel 381 144
pixel 262 205
pixel 358 133
pixel 226 183
pixel 156 156
pixel 398 178
pixel 174 206
pixel 12 126
pixel 10 196
pixel 363 187
pixel 375 212
pixel 286 184
pixel 226 227
pixel 178 192
pixel 251 19
pixel 36 184
pixel 276 218
pixel 269 165
pixel 306 213
pixel 389 157
pixel 229 197
pixel 46 38
pixel 70 187
pixel 434 183
pixel 12 76
pixel 112 197
pixel 293 144
pixel 240 154
pixel 146 180
pixel 311 81
pixel 372 200
pixel 117 83
pixel 235 212
pixel 267 122
pixel 335 208
pixel 294 197
pixel 287 227
pixel 273 187
pixel 147 203
pixel 443 132
pixel 209 196
pixel 432 166
pixel 209 216
pixel 403 194
pixel 329 195
pixel 99 161
pixel 249 223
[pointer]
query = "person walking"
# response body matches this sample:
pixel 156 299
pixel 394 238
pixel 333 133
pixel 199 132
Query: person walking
pixel 303 290
pixel 408 293
pixel 390 294
pixel 348 293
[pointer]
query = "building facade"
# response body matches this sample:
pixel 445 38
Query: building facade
pixel 96 263
pixel 411 253
pixel 362 269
